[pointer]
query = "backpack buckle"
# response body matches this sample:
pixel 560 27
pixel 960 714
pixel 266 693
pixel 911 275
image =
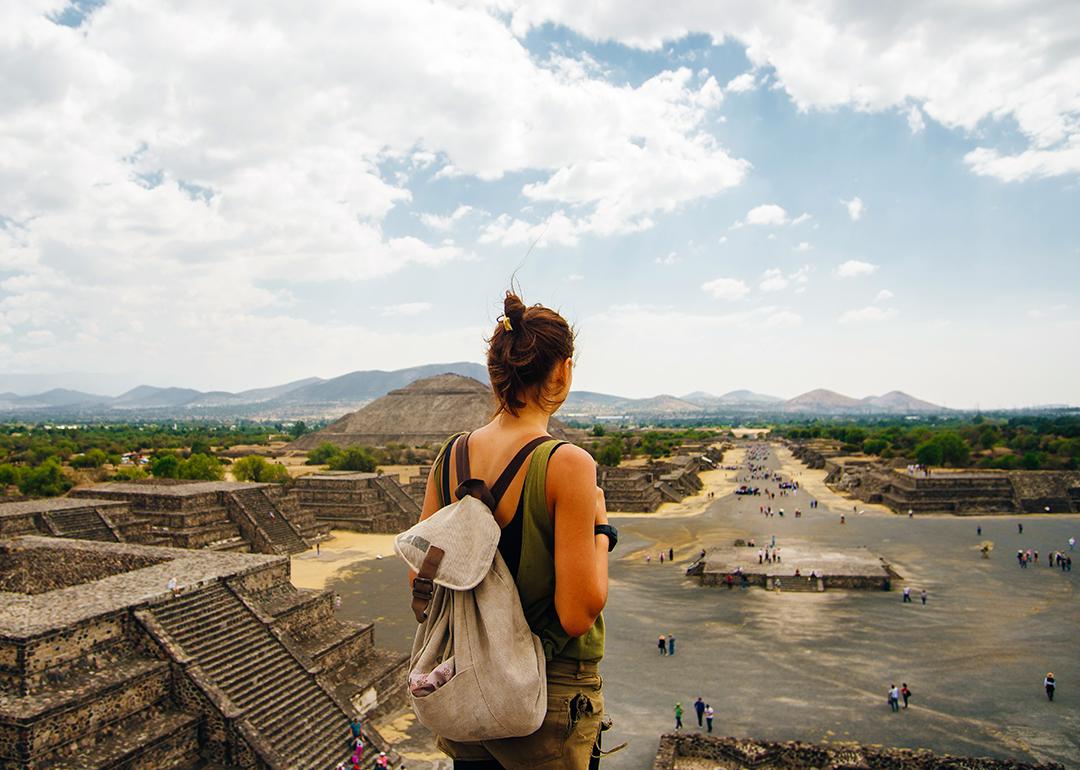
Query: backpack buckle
pixel 422 588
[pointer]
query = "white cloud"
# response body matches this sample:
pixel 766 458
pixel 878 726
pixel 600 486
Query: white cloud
pixel 723 239
pixel 406 309
pixel 855 208
pixel 447 222
pixel 741 83
pixel 855 268
pixel 868 314
pixel 1032 163
pixel 726 288
pixel 773 280
pixel 803 217
pixel 671 258
pixel 803 246
pixel 1048 312
pixel 915 120
pixel 884 296
pixel 575 277
pixel 768 214
pixel 960 63
pixel 557 230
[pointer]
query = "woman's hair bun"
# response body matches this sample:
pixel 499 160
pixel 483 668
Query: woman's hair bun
pixel 523 354
pixel 513 308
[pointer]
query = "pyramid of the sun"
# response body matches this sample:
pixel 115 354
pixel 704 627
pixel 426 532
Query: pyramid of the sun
pixel 425 412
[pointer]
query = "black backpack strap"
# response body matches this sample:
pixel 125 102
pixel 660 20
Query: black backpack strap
pixel 476 487
pixel 498 489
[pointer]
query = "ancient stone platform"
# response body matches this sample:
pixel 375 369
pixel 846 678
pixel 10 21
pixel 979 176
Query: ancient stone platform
pixel 849 568
pixel 683 751
pixel 121 655
pixel 219 515
pixel 362 502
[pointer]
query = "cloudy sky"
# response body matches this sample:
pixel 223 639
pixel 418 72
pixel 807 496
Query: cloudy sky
pixel 776 196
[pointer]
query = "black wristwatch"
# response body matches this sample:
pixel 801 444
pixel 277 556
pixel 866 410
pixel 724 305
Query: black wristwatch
pixel 610 531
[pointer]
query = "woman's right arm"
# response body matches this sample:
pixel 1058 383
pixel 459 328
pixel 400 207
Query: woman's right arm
pixel 581 557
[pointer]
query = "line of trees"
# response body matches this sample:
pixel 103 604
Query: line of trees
pixel 1030 442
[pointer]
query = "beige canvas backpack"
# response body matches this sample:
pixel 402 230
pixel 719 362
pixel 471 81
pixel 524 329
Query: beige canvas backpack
pixel 477 671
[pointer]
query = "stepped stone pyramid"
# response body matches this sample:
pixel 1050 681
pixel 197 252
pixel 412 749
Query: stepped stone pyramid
pixel 102 665
pixel 425 412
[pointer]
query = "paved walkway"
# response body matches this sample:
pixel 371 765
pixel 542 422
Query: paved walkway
pixel 817 666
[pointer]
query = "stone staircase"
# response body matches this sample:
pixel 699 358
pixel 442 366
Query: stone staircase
pixel 80 524
pixel 278 698
pixel 274 525
pixel 394 493
pixel 110 708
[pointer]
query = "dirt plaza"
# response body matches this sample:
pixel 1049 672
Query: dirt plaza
pixel 816 666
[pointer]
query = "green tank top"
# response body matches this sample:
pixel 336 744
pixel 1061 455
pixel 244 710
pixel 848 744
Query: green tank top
pixel 535 577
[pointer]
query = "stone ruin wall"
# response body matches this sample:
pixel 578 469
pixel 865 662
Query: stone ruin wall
pixel 724 753
pixel 149 677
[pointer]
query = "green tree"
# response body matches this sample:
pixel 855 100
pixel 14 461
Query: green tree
pixel 322 454
pixel 598 430
pixel 93 458
pixel 610 453
pixel 874 446
pixel 954 450
pixel 1031 461
pixel 255 468
pixel 200 446
pixel 9 475
pixel 166 466
pixel 298 429
pixel 928 453
pixel 129 473
pixel 46 480
pixel 202 467
pixel 354 458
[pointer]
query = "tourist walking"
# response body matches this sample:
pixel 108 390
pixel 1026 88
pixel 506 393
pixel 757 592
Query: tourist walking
pixel 671 554
pixel 708 717
pixel 1019 528
pixel 662 645
pixel 905 693
pixel 907 595
pixel 894 698
pixel 383 760
pixel 678 716
pixel 671 644
pixel 978 530
pixel 699 707
pixel 922 596
pixel 1050 685
pixel 356 726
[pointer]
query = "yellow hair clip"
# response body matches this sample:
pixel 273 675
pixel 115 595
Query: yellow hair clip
pixel 506 324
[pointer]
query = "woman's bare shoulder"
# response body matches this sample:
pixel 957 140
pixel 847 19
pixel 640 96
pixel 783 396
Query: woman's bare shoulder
pixel 572 464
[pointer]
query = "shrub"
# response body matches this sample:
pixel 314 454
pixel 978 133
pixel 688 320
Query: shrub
pixel 354 458
pixel 9 475
pixel 255 468
pixel 166 466
pixel 610 453
pixel 45 480
pixel 202 467
pixel 322 454
pixel 129 473
pixel 874 446
pixel 94 458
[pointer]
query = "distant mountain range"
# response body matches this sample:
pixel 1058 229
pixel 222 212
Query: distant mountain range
pixel 315 397
pixel 587 404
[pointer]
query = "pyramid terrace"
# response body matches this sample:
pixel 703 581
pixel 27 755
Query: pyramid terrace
pixel 105 662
